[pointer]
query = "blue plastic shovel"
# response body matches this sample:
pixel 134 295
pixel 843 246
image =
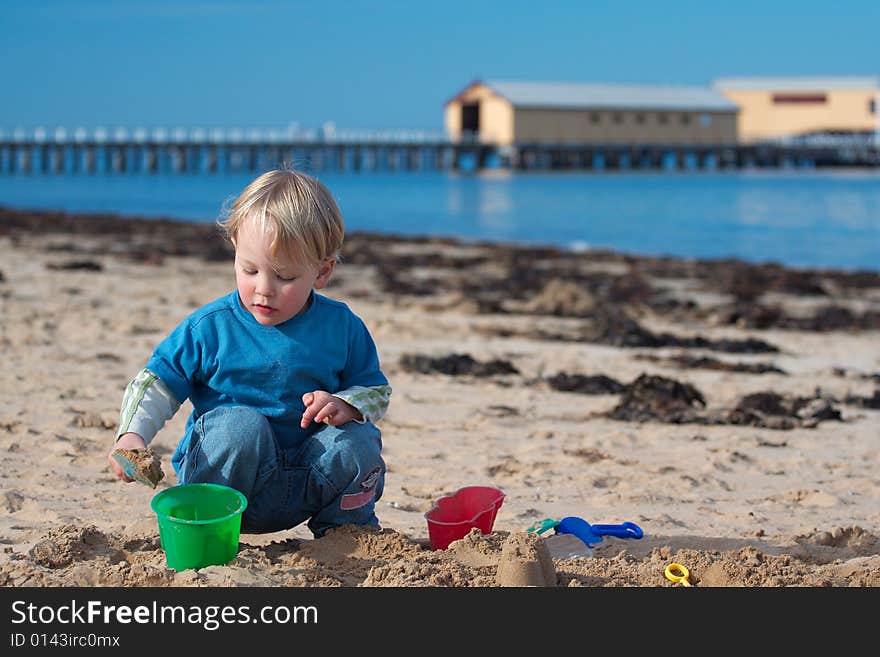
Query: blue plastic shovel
pixel 592 534
pixel 131 470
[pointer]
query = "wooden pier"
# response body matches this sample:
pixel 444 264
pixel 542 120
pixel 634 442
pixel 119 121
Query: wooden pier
pixel 212 152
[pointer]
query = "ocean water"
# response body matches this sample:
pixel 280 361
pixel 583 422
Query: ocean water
pixel 814 218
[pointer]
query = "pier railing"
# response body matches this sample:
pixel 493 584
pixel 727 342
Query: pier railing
pixel 213 150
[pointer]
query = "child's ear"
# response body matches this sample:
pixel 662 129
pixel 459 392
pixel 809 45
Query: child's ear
pixel 324 273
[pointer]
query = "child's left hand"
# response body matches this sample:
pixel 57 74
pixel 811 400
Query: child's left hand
pixel 321 406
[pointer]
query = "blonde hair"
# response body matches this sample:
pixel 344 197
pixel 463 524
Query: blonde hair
pixel 297 210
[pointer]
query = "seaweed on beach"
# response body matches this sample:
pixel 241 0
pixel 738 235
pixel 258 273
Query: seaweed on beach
pixel 863 401
pixel 137 238
pixel 660 399
pixel 455 365
pixel 598 384
pixel 617 329
pixel 606 287
pixel 652 397
pixel 558 283
pixel 829 317
pixel 773 410
pixel 76 265
pixel 620 330
pixel 686 361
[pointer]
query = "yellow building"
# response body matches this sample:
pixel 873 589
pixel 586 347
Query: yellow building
pixel 775 108
pixel 506 113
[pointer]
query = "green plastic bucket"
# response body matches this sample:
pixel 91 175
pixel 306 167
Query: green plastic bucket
pixel 199 524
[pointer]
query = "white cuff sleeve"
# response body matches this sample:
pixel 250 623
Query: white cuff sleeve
pixel 371 402
pixel 146 406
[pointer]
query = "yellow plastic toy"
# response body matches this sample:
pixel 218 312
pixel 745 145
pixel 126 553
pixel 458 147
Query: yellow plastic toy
pixel 677 573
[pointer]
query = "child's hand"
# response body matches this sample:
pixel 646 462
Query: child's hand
pixel 324 407
pixel 126 441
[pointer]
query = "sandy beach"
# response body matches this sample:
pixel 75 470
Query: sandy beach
pixel 732 411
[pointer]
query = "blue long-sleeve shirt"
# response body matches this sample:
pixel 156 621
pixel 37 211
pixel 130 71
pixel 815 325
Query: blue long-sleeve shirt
pixel 221 356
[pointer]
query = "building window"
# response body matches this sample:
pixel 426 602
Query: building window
pixel 618 117
pixel 662 119
pixel 872 106
pixel 595 117
pixel 705 120
pixel 782 99
pixel 640 118
pixel 685 119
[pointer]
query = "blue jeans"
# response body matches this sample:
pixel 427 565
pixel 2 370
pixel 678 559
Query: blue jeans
pixel 334 478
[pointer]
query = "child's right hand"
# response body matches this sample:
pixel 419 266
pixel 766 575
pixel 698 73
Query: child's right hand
pixel 126 441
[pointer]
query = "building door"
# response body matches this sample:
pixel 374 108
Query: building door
pixel 470 119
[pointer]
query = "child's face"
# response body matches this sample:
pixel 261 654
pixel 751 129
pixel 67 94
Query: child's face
pixel 273 289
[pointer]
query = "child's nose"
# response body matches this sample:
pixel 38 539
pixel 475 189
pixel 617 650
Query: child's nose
pixel 264 285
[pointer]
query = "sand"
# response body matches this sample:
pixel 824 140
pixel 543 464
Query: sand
pixel 731 411
pixel 142 465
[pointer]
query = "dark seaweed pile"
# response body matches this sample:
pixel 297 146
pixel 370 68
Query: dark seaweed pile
pixel 606 303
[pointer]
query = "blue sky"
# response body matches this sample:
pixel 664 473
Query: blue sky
pixel 387 64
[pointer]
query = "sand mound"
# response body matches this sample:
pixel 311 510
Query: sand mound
pixel 71 555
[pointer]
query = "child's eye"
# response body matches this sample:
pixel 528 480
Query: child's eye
pixel 249 272
pixel 285 278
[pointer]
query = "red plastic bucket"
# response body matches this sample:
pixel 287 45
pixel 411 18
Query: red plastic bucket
pixel 453 516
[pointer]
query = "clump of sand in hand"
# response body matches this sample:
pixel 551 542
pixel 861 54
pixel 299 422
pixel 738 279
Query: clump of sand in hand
pixel 146 461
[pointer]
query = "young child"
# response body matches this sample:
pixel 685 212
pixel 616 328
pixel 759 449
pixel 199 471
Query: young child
pixel 285 383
